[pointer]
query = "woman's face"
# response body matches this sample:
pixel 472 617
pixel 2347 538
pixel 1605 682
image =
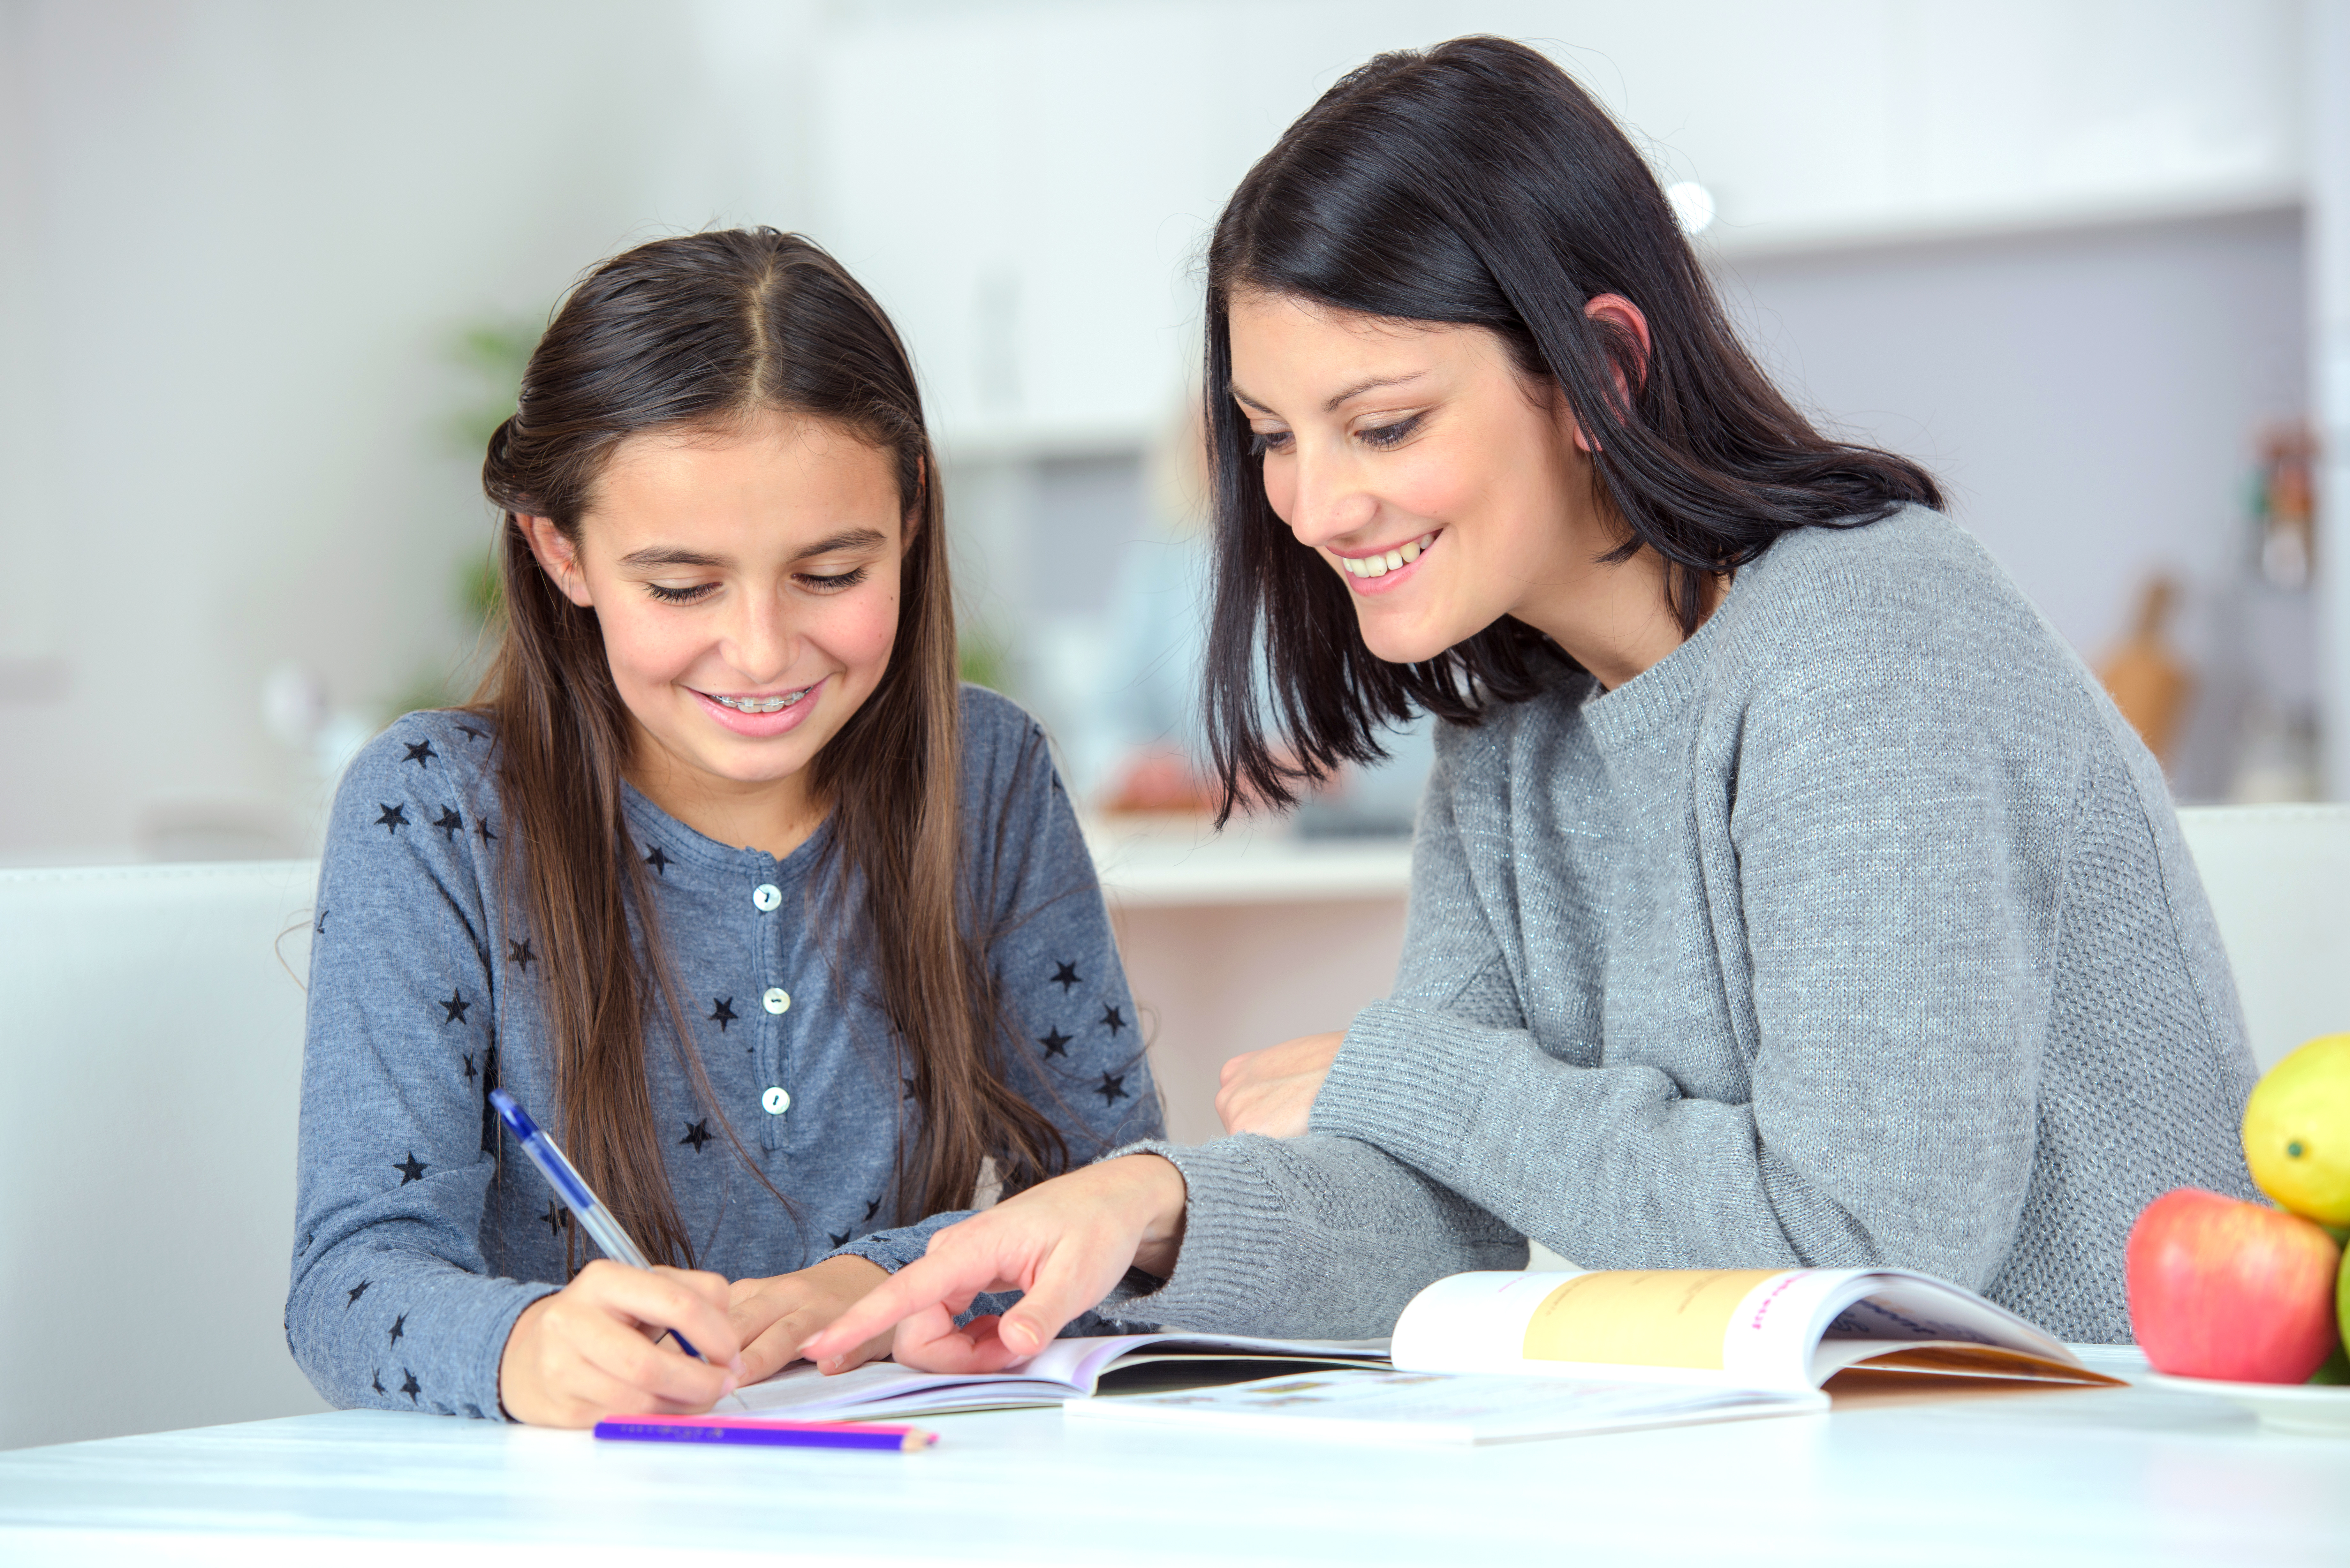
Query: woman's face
pixel 1415 460
pixel 747 584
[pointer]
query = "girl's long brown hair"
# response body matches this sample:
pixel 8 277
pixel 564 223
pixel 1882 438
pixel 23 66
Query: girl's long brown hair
pixel 701 332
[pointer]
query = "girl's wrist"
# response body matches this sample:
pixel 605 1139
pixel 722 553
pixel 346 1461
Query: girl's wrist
pixel 1160 1201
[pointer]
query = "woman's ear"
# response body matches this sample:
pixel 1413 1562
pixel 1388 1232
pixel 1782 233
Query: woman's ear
pixel 1614 312
pixel 557 556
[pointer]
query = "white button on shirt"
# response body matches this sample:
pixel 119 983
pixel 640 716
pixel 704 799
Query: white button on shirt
pixel 766 896
pixel 777 999
pixel 775 1102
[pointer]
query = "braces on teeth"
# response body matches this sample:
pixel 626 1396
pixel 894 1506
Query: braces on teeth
pixel 1395 560
pixel 761 704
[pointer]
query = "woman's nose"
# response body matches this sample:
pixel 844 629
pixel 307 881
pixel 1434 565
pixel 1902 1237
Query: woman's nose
pixel 1326 501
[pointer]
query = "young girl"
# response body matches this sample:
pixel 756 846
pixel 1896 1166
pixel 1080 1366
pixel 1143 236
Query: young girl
pixel 788 941
pixel 1785 891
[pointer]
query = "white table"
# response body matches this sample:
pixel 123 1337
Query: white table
pixel 2076 1477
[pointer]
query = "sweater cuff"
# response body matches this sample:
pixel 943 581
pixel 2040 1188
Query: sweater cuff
pixel 1409 1081
pixel 484 1321
pixel 1233 1219
pixel 900 1244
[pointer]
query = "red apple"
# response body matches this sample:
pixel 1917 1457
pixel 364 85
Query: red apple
pixel 2233 1291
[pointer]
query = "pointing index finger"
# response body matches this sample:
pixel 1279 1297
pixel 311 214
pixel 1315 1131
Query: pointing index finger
pixel 924 1282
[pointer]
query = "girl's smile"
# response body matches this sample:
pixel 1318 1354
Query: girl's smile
pixel 758 716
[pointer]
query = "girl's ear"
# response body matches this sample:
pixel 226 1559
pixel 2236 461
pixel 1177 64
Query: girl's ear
pixel 1614 311
pixel 557 556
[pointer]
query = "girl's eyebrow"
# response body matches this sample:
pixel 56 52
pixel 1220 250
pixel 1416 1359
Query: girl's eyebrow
pixel 847 539
pixel 669 556
pixel 672 556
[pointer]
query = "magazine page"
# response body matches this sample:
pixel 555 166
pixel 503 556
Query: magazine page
pixel 1653 1325
pixel 1893 1320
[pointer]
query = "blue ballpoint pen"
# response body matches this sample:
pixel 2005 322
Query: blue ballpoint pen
pixel 593 1216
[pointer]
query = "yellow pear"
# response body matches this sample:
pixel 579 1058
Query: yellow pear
pixel 2297 1131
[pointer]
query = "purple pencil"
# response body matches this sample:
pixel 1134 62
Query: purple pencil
pixel 732 1430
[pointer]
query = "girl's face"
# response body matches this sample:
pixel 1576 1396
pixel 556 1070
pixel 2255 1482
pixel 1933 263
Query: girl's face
pixel 1416 462
pixel 746 583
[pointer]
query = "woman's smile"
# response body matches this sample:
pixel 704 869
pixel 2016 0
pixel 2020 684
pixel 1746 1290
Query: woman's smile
pixel 1381 571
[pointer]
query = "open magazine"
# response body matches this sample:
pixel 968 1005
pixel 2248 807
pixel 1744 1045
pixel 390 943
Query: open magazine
pixel 1753 1328
pixel 1489 1357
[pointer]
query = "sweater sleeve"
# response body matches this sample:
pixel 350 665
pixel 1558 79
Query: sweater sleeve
pixel 1071 1043
pixel 1892 902
pixel 1311 1238
pixel 392 1303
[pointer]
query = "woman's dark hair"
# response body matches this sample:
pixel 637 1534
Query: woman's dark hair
pixel 1476 184
pixel 704 332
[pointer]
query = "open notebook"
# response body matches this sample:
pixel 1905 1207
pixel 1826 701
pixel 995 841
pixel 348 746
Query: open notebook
pixel 1065 1369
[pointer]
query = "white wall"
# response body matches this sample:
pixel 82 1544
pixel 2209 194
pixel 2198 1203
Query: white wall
pixel 2091 397
pixel 240 238
pixel 1027 184
pixel 235 236
pixel 2328 78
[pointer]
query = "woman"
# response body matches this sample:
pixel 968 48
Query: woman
pixel 1785 892
pixel 793 943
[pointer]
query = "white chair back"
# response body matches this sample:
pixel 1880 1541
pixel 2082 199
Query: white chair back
pixel 151 1065
pixel 2279 880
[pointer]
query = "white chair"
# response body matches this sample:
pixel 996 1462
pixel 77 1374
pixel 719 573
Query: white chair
pixel 150 1051
pixel 151 1063
pixel 2279 880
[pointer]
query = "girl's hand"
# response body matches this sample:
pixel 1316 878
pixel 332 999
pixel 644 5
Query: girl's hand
pixel 775 1316
pixel 1272 1091
pixel 1066 1243
pixel 588 1350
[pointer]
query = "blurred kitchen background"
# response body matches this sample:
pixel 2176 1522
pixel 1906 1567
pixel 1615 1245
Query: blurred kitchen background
pixel 267 269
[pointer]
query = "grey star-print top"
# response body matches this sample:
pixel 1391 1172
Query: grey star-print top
pixel 422 1232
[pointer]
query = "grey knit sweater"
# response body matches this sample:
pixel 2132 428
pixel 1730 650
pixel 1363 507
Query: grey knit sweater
pixel 421 1233
pixel 1858 930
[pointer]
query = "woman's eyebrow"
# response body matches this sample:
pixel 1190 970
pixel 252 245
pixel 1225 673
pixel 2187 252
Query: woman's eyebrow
pixel 1338 400
pixel 1373 385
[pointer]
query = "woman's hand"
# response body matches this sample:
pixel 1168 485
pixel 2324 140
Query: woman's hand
pixel 588 1349
pixel 775 1317
pixel 1272 1091
pixel 1065 1244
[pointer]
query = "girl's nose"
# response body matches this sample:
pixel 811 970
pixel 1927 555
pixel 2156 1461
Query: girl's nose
pixel 761 643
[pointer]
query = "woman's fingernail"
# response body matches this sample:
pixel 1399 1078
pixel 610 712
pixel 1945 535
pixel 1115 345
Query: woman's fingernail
pixel 728 1383
pixel 1019 1338
pixel 735 1366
